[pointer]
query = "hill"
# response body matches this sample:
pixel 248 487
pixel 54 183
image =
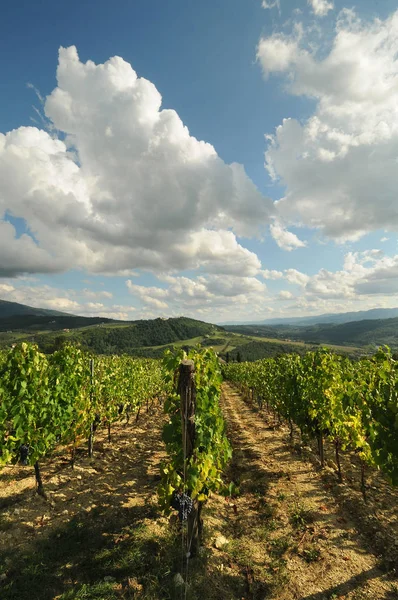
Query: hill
pixel 357 333
pixel 335 318
pixel 11 309
pixel 103 336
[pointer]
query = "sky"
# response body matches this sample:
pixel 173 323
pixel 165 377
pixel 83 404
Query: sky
pixel 227 161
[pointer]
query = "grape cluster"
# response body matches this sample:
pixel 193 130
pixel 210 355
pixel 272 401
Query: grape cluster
pixel 24 453
pixel 183 503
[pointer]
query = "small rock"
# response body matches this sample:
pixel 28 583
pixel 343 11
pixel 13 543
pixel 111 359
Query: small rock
pixel 78 477
pixel 220 541
pixel 3 577
pixel 134 585
pixel 178 580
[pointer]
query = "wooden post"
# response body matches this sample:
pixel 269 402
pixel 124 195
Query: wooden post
pixel 187 392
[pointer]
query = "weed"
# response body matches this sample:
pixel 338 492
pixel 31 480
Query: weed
pixel 301 516
pixel 279 546
pixel 311 554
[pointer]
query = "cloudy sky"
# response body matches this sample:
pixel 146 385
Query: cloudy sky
pixel 223 160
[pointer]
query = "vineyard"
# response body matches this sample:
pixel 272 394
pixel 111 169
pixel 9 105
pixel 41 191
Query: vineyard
pixel 355 404
pixel 142 495
pixel 63 398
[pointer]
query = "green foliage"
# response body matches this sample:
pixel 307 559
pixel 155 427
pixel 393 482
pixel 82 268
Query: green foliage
pixel 200 473
pixel 256 350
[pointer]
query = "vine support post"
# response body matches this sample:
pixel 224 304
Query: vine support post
pixel 91 436
pixel 187 392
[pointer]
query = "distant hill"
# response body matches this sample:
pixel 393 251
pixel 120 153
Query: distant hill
pixel 335 318
pixel 357 333
pixel 11 309
pixel 102 336
pixel 360 333
pixel 32 323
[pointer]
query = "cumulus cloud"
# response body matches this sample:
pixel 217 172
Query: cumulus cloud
pixel 321 7
pixel 364 276
pixel 285 295
pixel 339 166
pixel 285 239
pixel 124 185
pixel 277 53
pixel 296 277
pixel 210 294
pixel 271 274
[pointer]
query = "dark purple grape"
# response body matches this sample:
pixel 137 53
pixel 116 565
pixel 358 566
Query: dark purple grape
pixel 183 503
pixel 24 453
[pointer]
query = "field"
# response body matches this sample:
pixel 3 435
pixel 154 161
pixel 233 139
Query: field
pixel 292 532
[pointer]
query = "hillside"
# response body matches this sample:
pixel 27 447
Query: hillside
pixel 334 318
pixel 106 337
pixel 11 309
pixel 358 333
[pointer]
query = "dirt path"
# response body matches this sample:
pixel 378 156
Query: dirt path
pixel 322 554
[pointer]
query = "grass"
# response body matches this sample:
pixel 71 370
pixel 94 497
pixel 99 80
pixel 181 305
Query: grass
pixel 107 554
pixel 300 516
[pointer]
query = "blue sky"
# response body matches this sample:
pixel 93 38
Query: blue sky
pixel 108 206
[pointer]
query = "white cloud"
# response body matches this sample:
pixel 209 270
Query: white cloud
pixel 339 166
pixel 99 294
pixel 271 4
pixel 296 277
pixel 285 239
pixel 285 295
pixel 364 276
pixel 214 295
pixel 321 7
pixel 126 187
pixel 271 274
pixel 277 53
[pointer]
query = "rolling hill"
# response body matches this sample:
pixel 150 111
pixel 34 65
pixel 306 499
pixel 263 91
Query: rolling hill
pixel 371 333
pixel 335 318
pixel 14 309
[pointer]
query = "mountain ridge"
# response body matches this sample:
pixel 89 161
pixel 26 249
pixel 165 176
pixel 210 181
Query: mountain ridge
pixel 333 318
